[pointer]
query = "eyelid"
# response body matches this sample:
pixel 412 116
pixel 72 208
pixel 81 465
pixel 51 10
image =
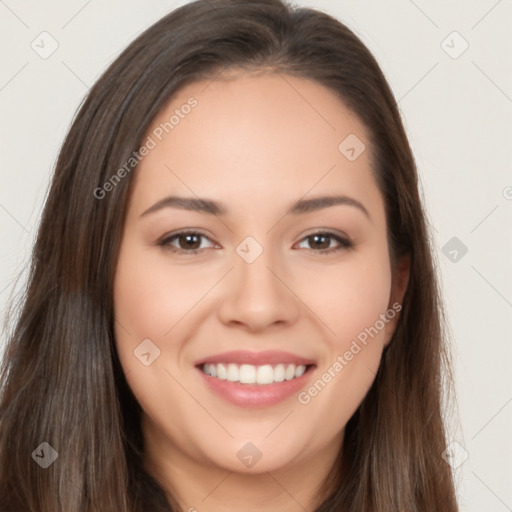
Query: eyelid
pixel 327 231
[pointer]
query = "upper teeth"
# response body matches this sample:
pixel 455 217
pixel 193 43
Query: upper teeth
pixel 249 374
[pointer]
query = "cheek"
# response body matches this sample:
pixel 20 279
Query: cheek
pixel 358 296
pixel 154 301
pixel 350 296
pixel 151 296
pixel 148 302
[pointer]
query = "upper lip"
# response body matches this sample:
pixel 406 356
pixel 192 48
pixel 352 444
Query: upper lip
pixel 255 358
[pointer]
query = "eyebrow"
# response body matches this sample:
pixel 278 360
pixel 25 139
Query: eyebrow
pixel 214 208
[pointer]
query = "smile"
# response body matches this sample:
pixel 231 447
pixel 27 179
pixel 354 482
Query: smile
pixel 250 379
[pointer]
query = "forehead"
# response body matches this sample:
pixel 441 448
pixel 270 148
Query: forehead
pixel 255 137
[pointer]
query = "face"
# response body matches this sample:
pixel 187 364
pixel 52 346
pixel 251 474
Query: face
pixel 259 282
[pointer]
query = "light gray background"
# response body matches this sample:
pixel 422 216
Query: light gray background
pixel 457 113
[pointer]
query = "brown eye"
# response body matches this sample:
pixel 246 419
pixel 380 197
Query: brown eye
pixel 189 241
pixel 184 241
pixel 321 242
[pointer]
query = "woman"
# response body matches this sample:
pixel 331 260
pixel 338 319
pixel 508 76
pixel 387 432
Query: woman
pixel 264 367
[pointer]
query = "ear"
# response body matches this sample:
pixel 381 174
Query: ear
pixel 400 281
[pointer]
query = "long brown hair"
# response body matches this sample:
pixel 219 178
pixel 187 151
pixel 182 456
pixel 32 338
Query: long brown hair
pixel 61 379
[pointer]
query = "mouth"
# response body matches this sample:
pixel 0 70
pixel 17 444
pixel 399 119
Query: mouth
pixel 251 379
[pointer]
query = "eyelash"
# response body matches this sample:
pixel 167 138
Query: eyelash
pixel 345 243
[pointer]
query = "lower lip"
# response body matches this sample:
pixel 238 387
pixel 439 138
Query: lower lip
pixel 253 395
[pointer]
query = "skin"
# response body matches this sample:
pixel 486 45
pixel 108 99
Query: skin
pixel 256 143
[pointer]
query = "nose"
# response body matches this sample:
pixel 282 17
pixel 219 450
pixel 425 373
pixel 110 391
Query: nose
pixel 258 295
